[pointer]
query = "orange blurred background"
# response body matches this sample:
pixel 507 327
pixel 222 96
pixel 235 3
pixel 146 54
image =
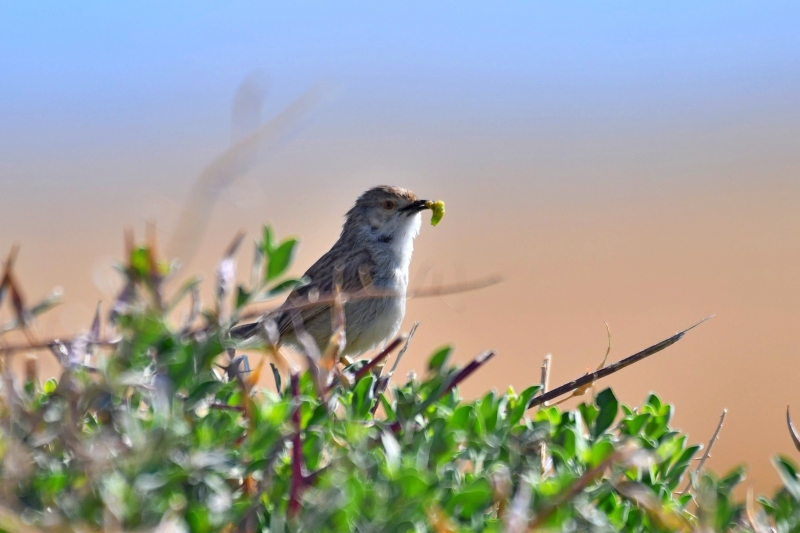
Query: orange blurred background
pixel 631 166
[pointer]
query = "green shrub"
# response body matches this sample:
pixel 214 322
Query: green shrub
pixel 164 422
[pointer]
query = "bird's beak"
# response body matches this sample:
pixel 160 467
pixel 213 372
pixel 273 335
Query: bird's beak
pixel 415 207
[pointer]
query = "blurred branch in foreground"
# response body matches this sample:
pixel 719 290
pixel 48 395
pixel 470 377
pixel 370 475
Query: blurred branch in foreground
pixel 233 163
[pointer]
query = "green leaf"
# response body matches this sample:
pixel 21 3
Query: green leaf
pixel 471 500
pixel 50 386
pixel 280 259
pixel 439 358
pixel 489 410
pixel 788 473
pixel 387 408
pixel 461 417
pixel 732 478
pixel 242 296
pixel 412 484
pixel 200 392
pixel 285 286
pixel 589 413
pixel 633 423
pixel 601 451
pixel 268 244
pixel 363 396
pixel 277 376
pixel 654 401
pixel 140 262
pixel 608 405
pixel 522 404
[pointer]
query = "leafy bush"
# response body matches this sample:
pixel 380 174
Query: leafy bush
pixel 164 423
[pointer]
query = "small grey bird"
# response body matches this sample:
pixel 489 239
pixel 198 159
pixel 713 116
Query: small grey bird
pixel 374 249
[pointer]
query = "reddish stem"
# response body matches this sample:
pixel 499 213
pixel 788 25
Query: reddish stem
pixel 378 358
pixel 297 451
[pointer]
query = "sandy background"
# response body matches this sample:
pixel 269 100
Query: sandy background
pixel 636 167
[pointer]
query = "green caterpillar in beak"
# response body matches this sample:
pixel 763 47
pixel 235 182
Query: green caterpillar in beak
pixel 438 211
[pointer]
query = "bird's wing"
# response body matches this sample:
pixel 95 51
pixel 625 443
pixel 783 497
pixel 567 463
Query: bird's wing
pixel 322 278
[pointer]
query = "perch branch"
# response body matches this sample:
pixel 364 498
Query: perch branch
pixel 378 358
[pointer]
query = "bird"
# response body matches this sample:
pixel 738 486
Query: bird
pixel 373 252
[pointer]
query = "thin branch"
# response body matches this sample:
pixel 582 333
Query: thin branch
pixel 455 288
pixel 792 430
pixel 545 379
pixel 544 462
pixel 297 451
pixel 707 453
pixel 589 378
pixel 48 345
pixel 712 441
pixel 545 372
pixel 405 347
pixel 372 293
pixel 575 489
pixel 225 407
pixel 227 167
pixel 378 358
pixel 383 381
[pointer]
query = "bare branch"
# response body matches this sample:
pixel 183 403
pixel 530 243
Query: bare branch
pixel 48 345
pixel 229 166
pixel 544 459
pixel 792 430
pixel 383 381
pixel 707 453
pixel 545 372
pixel 589 378
pixel 575 489
pixel 373 293
pixel 297 452
pixel 405 347
pixel 378 358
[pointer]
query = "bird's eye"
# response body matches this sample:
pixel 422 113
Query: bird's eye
pixel 389 204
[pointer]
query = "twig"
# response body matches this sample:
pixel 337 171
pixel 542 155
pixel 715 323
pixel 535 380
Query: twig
pixel 47 345
pixel 226 407
pixel 378 358
pixel 383 381
pixel 545 379
pixel 227 167
pixel 589 378
pixel 372 293
pixel 466 286
pixel 707 453
pixel 792 430
pixel 405 347
pixel 575 489
pixel 297 451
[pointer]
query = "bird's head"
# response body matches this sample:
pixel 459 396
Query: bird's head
pixel 386 213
